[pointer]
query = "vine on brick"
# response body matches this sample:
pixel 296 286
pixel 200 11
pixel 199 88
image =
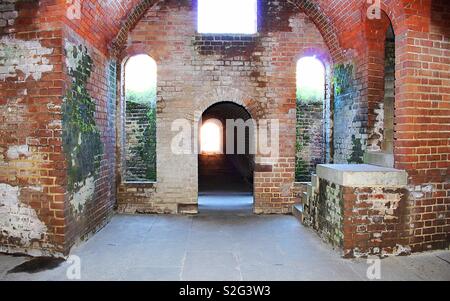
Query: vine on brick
pixel 81 137
pixel 343 75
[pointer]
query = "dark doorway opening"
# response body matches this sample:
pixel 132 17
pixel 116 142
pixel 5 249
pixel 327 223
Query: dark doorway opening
pixel 226 160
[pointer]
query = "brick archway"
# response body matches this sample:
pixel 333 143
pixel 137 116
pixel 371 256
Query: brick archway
pixel 375 37
pixel 226 167
pixel 323 24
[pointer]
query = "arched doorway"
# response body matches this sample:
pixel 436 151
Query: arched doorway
pixel 226 160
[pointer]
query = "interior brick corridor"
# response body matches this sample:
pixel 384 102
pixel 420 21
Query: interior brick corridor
pixel 386 102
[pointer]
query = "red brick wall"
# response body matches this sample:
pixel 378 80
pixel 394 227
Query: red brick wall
pixel 31 165
pixel 422 145
pixel 97 211
pixel 33 177
pixel 361 221
pixel 93 24
pixel 422 104
pixel 375 221
pixel 423 110
pixel 196 71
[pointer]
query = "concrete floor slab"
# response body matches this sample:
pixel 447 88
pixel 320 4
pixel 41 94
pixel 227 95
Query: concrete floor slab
pixel 223 246
pixel 9 262
pixel 211 265
pixel 152 274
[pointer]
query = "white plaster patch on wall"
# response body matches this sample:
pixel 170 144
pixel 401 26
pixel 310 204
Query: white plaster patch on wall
pixel 55 124
pixel 19 220
pixel 378 130
pixel 387 205
pixel 400 250
pixel 54 107
pixel 25 56
pixel 16 151
pixel 420 191
pixel 84 194
pixel 296 23
pixel 73 57
pixel 35 188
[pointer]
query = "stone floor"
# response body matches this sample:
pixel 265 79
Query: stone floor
pixel 225 244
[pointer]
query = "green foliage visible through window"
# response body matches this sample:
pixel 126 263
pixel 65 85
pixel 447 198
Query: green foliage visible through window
pixel 310 96
pixel 310 80
pixel 140 84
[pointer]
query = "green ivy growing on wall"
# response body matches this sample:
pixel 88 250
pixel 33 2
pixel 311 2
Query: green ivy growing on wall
pixel 343 78
pixel 81 137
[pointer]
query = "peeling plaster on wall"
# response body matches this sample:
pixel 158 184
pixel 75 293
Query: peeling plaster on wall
pixel 402 250
pixel 55 124
pixel 8 14
pixel 73 59
pixel 22 56
pixel 374 143
pixel 83 195
pixel 296 24
pixel 17 220
pixel 420 191
pixel 17 151
pixel 54 107
pixel 387 205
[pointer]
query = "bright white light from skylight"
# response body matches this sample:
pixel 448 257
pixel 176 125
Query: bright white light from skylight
pixel 310 80
pixel 227 16
pixel 140 73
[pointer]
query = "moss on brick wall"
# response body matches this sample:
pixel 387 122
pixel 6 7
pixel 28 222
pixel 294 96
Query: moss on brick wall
pixel 357 153
pixel 81 137
pixel 309 139
pixel 343 78
pixel 349 131
pixel 330 213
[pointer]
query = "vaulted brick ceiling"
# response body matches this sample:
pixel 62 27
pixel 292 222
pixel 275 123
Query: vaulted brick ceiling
pixel 107 23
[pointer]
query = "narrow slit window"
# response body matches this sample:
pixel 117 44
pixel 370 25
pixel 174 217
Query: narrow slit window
pixel 227 16
pixel 140 120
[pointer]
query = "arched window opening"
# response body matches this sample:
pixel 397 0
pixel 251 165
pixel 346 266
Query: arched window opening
pixel 310 119
pixel 310 80
pixel 140 124
pixel 211 137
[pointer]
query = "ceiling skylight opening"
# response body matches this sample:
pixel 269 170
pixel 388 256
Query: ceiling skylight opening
pixel 227 16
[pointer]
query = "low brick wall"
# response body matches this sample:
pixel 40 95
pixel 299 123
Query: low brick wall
pixel 360 220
